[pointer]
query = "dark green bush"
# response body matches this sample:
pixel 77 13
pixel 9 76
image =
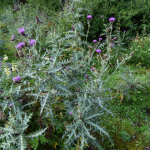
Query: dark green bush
pixel 141 52
pixel 132 17
pixel 53 5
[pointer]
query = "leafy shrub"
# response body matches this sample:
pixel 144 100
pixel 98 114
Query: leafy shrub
pixel 141 50
pixel 49 4
pixel 131 13
pixel 52 89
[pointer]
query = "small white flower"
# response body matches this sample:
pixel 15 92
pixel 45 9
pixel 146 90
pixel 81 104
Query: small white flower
pixel 14 67
pixel 7 71
pixel 46 58
pixel 5 58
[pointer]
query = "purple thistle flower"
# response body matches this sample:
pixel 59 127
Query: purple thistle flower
pixel 10 104
pixel 94 41
pixel 73 28
pixel 32 42
pixel 92 69
pixel 67 67
pixel 124 31
pixel 51 58
pixel 89 16
pixel 67 7
pixel 98 51
pixel 17 78
pixel 70 113
pixel 100 39
pixel 112 44
pixel 13 38
pixel 112 19
pixel 90 77
pixel 47 51
pixel 21 30
pixel 20 45
pixel 29 57
pixel 44 48
pixel 86 76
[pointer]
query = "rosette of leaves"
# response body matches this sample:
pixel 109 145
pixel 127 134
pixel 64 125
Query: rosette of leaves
pixel 125 136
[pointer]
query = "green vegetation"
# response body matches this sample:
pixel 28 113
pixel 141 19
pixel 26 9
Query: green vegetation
pixel 57 64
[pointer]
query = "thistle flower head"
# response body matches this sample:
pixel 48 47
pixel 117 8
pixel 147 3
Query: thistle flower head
pixel 89 16
pixel 17 78
pixel 32 42
pixel 112 19
pixel 20 45
pixel 21 31
pixel 111 45
pixel 98 51
pixel 94 41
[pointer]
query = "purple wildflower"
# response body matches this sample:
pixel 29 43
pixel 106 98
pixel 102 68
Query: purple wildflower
pixel 21 31
pixel 13 38
pixel 94 41
pixel 70 113
pixel 17 78
pixel 92 69
pixel 112 19
pixel 100 39
pixel 20 45
pixel 29 57
pixel 89 16
pixel 90 77
pixel 67 7
pixel 73 28
pixel 86 76
pixel 51 58
pixel 44 48
pixel 98 51
pixel 112 44
pixel 32 42
pixel 124 31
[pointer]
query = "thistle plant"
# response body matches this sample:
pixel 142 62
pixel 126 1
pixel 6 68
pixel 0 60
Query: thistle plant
pixel 49 73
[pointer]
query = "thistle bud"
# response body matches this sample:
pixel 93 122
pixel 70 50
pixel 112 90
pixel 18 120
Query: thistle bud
pixel 90 47
pixel 114 38
pixel 21 54
pixel 94 65
pixel 16 55
pixel 109 39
